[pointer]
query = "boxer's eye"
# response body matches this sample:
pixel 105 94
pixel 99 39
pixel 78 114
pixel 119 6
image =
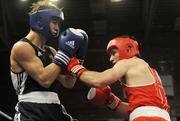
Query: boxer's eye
pixel 113 52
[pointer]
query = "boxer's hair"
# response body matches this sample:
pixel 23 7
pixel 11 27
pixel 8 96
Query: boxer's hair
pixel 42 4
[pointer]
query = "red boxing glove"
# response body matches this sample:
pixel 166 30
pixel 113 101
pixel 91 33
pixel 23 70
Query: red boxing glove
pixel 75 67
pixel 103 96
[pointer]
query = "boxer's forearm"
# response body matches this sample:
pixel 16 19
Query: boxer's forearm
pixel 122 109
pixel 97 79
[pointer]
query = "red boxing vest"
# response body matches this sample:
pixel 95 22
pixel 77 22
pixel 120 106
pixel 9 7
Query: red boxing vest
pixel 148 95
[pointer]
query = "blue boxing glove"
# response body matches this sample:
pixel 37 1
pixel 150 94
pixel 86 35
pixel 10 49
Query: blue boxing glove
pixel 68 43
pixel 81 52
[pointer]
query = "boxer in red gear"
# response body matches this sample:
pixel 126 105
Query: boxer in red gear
pixel 147 100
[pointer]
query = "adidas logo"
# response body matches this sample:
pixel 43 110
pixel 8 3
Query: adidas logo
pixel 70 44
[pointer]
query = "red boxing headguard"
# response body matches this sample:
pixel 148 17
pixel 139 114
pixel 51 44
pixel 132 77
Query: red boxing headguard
pixel 127 47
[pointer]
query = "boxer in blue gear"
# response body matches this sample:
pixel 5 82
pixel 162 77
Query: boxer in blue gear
pixel 36 67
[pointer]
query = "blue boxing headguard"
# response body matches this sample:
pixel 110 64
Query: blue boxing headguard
pixel 40 21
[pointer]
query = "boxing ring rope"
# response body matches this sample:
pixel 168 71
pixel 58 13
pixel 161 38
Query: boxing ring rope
pixel 5 115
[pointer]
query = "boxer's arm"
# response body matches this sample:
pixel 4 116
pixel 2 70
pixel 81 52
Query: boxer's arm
pixel 109 76
pixel 25 56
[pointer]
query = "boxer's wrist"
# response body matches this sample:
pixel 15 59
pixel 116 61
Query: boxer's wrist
pixel 114 102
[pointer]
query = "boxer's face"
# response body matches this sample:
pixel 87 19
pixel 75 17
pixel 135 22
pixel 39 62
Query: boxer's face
pixel 114 56
pixel 54 27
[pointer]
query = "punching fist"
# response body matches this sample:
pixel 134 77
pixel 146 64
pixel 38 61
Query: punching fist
pixel 103 96
pixel 75 67
pixel 82 49
pixel 68 43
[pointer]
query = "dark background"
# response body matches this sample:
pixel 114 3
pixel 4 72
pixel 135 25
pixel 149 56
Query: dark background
pixel 154 23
